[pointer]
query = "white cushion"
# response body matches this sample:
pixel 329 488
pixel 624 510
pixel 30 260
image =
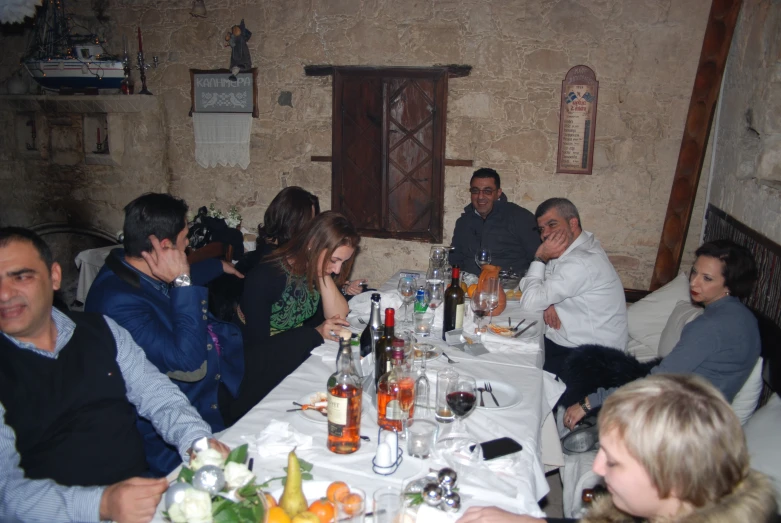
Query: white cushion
pixel 641 351
pixel 763 437
pixel 745 401
pixel 648 316
pixel 684 312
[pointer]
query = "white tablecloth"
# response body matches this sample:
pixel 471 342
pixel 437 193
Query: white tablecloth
pixel 515 483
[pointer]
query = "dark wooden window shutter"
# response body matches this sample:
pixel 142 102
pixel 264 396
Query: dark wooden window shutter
pixel 388 150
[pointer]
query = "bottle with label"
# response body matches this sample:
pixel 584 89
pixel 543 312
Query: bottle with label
pixel 344 403
pixel 383 347
pixel 395 393
pixel 454 305
pixel 374 326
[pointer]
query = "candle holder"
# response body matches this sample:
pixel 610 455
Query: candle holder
pixel 389 455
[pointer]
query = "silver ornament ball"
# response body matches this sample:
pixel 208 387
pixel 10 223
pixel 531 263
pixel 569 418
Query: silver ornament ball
pixel 209 478
pixel 175 493
pixel 432 494
pixel 451 502
pixel 447 478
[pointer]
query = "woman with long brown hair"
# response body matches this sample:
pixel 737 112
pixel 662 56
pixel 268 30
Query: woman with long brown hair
pixel 292 302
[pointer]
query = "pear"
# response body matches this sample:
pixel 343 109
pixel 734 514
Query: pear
pixel 292 500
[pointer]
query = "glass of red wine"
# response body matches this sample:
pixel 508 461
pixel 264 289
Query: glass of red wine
pixel 462 400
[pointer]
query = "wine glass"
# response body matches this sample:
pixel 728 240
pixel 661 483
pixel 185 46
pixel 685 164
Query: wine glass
pixel 438 255
pixel 490 290
pixel 462 400
pixel 479 304
pixel 483 257
pixel 436 292
pixel 407 291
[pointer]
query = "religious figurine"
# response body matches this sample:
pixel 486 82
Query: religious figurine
pixel 240 57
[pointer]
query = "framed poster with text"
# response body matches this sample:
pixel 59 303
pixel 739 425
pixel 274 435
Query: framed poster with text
pixel 218 91
pixel 577 121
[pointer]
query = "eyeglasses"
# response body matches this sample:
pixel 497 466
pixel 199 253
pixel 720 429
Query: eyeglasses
pixel 475 191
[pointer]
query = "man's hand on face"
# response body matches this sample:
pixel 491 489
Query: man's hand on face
pixel 228 268
pixel 133 500
pixel 551 318
pixel 553 246
pixel 166 263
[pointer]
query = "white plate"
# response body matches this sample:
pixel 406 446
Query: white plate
pixel 311 414
pixel 507 395
pixel 355 324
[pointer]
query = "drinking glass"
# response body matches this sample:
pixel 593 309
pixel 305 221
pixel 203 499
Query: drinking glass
pixel 421 436
pixel 490 290
pixel 479 304
pixel 483 257
pixel 442 411
pixel 462 400
pixel 388 505
pixel 407 291
pixel 351 507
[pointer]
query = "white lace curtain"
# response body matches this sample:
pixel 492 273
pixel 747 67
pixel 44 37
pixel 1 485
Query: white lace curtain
pixel 222 139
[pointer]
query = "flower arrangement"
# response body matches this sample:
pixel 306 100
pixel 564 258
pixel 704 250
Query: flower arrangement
pixel 215 489
pixel 233 219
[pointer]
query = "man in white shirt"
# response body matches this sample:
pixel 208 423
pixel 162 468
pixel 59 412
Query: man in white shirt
pixel 573 283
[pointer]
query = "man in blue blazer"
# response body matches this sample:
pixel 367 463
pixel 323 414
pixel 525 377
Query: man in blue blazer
pixel 149 289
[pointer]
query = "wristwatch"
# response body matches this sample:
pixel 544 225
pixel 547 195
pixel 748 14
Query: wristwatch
pixel 538 259
pixel 183 280
pixel 585 404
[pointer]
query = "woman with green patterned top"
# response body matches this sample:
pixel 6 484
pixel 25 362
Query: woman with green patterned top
pixel 292 300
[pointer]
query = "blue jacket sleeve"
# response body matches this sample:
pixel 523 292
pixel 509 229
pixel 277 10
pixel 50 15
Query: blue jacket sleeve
pixel 178 347
pixel 205 271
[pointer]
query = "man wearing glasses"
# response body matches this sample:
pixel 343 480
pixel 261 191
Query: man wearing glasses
pixel 573 283
pixel 491 222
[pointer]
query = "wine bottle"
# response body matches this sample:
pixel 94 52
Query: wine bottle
pixel 375 324
pixel 384 346
pixel 344 403
pixel 454 305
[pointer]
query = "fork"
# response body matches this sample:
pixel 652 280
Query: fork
pixel 481 390
pixel 361 321
pixel 490 389
pixel 452 362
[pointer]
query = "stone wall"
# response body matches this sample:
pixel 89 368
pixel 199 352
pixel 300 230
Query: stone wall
pixel 747 174
pixel 504 115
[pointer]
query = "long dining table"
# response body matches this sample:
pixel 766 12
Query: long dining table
pixel 516 483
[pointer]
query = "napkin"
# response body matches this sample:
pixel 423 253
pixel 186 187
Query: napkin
pixel 360 305
pixel 278 438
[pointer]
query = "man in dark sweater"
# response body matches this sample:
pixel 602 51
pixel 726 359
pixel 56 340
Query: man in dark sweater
pixel 491 222
pixel 69 448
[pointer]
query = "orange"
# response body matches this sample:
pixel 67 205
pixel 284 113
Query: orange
pixel 464 287
pixel 336 490
pixel 352 504
pixel 270 501
pixel 470 291
pixel 277 515
pixel 323 509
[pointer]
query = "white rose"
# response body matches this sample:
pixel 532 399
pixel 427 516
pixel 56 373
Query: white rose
pixel 237 475
pixel 195 507
pixel 209 456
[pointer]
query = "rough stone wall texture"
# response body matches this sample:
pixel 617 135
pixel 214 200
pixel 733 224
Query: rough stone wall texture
pixel 504 115
pixel 747 175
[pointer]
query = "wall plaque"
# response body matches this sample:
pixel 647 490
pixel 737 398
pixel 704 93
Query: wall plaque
pixel 577 121
pixel 213 91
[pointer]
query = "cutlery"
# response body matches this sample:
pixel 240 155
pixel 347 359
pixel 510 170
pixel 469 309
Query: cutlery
pixel 251 464
pixel 509 323
pixel 481 390
pixel 490 389
pixel 519 324
pixel 529 326
pixel 365 438
pixel 324 413
pixel 360 320
pixel 448 359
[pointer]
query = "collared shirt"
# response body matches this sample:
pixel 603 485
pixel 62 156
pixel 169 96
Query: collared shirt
pixel 587 294
pixel 153 394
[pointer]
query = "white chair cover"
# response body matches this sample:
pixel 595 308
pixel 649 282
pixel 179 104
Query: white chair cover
pixel 222 138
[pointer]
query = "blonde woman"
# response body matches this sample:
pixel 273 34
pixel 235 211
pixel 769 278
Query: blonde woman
pixel 671 450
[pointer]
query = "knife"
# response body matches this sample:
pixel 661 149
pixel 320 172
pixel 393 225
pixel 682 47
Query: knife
pixel 529 326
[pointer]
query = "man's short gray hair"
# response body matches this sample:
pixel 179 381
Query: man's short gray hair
pixel 565 207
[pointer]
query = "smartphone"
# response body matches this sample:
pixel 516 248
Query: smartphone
pixel 496 448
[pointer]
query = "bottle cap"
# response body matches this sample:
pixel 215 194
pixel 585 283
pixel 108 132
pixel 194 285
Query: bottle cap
pixel 376 296
pixel 390 317
pixel 455 272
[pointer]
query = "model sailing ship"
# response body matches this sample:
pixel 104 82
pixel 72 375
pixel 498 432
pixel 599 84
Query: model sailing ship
pixel 61 61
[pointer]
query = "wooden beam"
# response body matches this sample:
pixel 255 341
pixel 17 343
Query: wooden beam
pixel 453 70
pixel 707 82
pixel 321 159
pixel 318 70
pixel 458 163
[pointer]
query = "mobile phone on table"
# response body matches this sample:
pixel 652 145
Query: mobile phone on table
pixel 496 448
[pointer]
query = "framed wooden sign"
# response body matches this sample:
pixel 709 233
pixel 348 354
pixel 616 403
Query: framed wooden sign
pixel 577 121
pixel 214 91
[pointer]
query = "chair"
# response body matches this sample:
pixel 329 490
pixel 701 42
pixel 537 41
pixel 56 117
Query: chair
pixel 211 250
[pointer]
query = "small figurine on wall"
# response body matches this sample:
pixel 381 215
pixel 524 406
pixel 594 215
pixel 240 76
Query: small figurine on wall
pixel 240 57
